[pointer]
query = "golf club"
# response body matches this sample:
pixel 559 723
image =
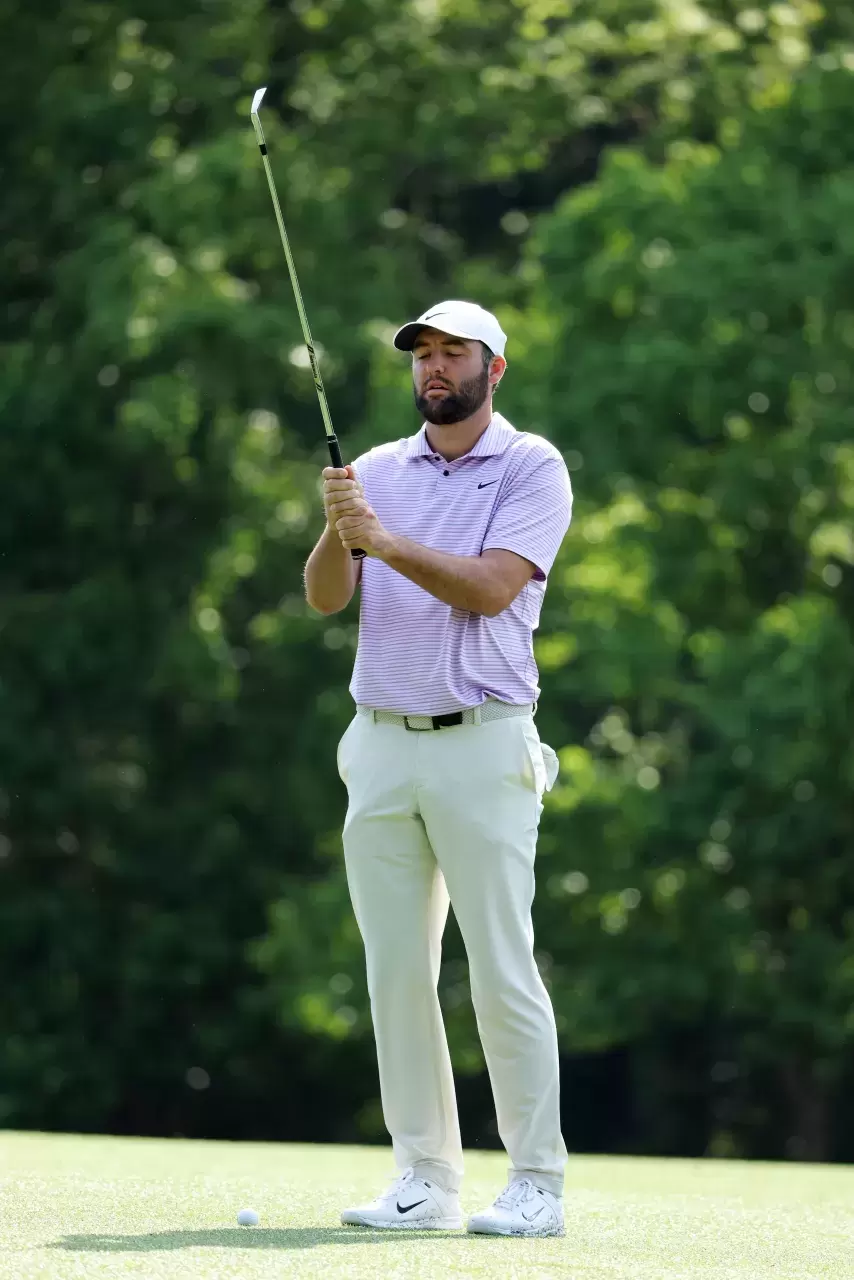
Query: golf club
pixel 331 438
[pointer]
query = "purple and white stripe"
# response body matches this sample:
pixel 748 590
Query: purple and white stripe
pixel 417 655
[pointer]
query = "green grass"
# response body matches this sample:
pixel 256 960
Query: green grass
pixel 88 1207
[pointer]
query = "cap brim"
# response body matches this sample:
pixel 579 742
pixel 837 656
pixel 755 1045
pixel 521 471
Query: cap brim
pixel 405 337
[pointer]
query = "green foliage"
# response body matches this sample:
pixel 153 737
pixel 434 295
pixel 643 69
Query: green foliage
pixel 701 359
pixel 173 893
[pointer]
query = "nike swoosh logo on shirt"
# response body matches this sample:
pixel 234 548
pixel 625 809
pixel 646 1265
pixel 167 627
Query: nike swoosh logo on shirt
pixel 486 483
pixel 406 1208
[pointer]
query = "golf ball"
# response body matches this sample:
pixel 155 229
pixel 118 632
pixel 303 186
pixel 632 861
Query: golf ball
pixel 247 1218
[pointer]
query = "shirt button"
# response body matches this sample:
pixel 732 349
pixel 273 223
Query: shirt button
pixel 446 473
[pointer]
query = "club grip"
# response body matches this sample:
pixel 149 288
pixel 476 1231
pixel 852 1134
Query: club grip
pixel 335 454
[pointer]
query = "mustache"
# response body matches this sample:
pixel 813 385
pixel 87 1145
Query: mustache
pixel 459 403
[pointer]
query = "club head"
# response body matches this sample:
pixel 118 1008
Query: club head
pixel 256 119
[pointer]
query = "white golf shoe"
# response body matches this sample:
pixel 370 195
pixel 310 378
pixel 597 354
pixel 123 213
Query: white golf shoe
pixel 410 1204
pixel 521 1210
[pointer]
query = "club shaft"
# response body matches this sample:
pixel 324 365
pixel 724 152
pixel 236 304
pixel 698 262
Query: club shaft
pixel 331 438
pixel 306 332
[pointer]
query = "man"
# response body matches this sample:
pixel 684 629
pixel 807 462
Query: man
pixel 443 765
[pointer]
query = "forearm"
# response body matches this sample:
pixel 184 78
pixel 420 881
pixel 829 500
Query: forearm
pixel 463 582
pixel 331 574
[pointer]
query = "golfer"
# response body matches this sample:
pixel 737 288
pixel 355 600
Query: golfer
pixel 444 768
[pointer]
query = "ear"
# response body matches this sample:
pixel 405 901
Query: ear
pixel 497 365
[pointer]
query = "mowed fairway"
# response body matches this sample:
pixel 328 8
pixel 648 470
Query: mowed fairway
pixel 105 1207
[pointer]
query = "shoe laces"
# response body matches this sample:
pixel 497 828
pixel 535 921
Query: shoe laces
pixel 399 1183
pixel 515 1191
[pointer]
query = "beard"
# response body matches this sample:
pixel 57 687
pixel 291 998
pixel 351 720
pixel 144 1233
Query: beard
pixel 457 405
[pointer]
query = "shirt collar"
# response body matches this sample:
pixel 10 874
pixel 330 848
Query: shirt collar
pixel 495 439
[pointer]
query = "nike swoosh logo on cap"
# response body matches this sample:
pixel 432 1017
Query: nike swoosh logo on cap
pixel 406 1208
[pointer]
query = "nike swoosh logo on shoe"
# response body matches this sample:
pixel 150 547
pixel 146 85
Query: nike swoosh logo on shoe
pixel 533 1217
pixel 486 484
pixel 406 1208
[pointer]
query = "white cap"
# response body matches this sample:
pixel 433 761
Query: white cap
pixel 461 320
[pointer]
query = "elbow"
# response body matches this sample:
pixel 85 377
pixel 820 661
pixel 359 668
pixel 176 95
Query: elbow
pixel 496 596
pixel 317 603
pixel 323 607
pixel 494 602
pixel 326 598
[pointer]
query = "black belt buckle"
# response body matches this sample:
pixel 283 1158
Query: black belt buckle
pixel 448 721
pixel 436 722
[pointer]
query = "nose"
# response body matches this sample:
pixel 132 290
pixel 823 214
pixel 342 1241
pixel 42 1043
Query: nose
pixel 435 368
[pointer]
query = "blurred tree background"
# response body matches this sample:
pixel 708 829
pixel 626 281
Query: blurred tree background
pixel 658 198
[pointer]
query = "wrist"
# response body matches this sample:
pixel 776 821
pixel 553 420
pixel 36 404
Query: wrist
pixel 387 546
pixel 333 539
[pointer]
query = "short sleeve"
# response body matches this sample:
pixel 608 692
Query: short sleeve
pixel 361 465
pixel 534 514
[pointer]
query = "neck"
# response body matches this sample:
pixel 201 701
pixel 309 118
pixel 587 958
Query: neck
pixel 454 439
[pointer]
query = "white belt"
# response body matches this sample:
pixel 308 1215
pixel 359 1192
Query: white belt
pixel 490 710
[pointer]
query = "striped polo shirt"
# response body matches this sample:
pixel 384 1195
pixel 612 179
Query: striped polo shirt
pixel 416 655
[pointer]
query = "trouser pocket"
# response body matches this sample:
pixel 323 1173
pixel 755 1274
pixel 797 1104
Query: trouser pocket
pixel 544 762
pixel 341 753
pixel 552 765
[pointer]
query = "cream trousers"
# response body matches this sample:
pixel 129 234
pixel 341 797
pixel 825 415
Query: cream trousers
pixel 452 814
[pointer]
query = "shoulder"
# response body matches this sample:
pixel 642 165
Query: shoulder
pixel 529 453
pixel 525 449
pixel 538 448
pixel 382 458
